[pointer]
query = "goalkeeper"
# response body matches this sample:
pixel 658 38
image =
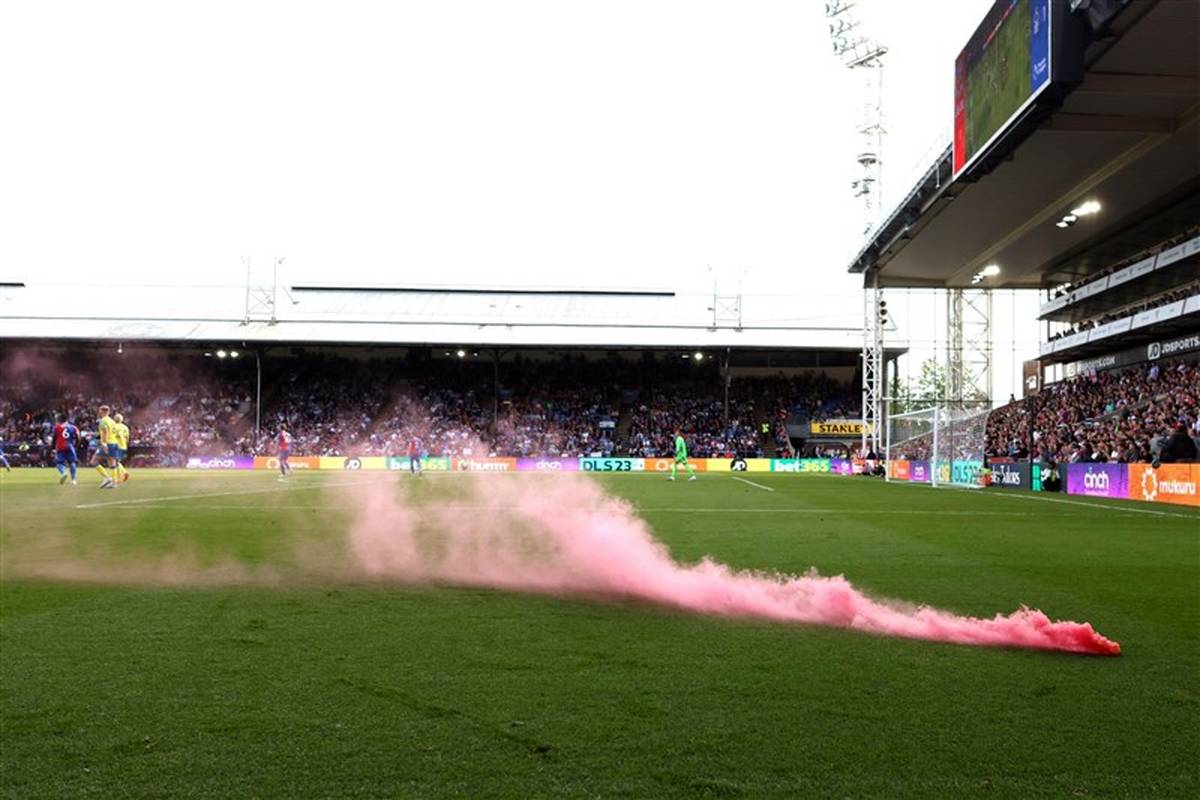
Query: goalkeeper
pixel 681 457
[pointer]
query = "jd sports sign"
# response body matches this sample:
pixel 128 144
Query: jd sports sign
pixel 1167 348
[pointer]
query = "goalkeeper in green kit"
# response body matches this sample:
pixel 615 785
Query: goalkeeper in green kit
pixel 681 457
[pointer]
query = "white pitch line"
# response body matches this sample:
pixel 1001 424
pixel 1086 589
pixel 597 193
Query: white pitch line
pixel 1097 506
pixel 752 483
pixel 195 495
pixel 1036 496
pixel 661 510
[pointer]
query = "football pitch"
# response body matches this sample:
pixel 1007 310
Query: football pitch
pixel 203 635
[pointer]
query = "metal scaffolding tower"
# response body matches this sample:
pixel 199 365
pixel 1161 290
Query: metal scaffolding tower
pixel 865 57
pixel 874 319
pixel 260 298
pixel 969 346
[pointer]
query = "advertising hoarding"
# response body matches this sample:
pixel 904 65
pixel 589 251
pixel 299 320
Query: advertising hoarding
pixel 1098 480
pixel 353 462
pixel 800 465
pixel 1170 483
pixel 485 464
pixel 548 464
pixel 664 464
pixel 919 472
pixel 612 464
pixel 1015 475
pixel 838 427
pixel 429 463
pixel 737 464
pixel 965 473
pixel 220 462
pixel 296 462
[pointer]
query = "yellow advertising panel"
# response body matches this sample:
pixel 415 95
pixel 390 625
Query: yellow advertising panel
pixel 296 462
pixel 838 427
pixel 353 462
pixel 664 464
pixel 737 464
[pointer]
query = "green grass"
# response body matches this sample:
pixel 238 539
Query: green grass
pixel 308 685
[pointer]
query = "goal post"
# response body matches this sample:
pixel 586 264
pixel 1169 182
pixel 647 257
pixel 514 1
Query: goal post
pixel 911 439
pixel 938 445
pixel 962 443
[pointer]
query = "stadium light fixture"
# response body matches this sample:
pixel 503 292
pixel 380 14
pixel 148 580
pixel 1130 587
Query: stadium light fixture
pixel 1090 207
pixel 234 354
pixel 208 355
pixel 1062 223
pixel 698 355
pixel 990 271
pixel 461 354
pixel 221 354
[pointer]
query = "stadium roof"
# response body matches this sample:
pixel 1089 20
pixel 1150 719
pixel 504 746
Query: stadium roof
pixel 1127 137
pixel 480 316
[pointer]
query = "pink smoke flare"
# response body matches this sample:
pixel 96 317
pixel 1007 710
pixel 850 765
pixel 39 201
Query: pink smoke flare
pixel 563 535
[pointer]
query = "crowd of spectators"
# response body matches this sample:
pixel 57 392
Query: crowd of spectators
pixel 1166 298
pixel 702 421
pixel 335 405
pixel 1183 236
pixel 1114 416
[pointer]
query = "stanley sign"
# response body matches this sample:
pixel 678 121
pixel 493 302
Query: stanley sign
pixel 838 427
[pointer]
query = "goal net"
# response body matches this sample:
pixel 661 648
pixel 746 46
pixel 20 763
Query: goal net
pixel 938 445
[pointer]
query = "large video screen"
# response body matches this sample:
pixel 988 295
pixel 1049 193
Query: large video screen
pixel 1004 66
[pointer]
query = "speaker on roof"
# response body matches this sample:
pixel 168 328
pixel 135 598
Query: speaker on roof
pixel 1099 13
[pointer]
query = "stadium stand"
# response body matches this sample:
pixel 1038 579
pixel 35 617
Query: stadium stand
pixel 1119 416
pixel 345 403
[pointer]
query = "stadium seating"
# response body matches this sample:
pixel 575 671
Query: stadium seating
pixel 336 405
pixel 345 405
pixel 1117 416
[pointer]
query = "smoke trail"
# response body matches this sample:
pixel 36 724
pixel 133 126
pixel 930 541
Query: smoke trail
pixel 563 535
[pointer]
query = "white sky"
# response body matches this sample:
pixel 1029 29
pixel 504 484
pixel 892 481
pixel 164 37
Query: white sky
pixel 514 142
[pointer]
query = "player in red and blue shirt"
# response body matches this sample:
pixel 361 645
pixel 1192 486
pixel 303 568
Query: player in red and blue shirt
pixel 66 437
pixel 414 456
pixel 285 450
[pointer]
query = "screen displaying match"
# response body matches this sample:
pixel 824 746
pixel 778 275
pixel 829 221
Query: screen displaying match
pixel 1004 66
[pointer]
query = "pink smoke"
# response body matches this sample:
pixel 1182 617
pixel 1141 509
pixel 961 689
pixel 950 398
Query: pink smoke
pixel 563 535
